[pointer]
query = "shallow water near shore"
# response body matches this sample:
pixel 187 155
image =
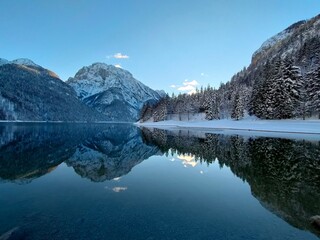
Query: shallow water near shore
pixel 116 181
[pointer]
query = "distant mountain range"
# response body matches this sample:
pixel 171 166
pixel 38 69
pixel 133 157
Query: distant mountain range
pixel 100 92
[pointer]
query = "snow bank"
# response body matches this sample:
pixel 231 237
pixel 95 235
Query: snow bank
pixel 284 126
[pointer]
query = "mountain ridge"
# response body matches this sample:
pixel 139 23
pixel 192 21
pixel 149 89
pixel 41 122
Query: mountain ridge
pixel 98 92
pixel 29 92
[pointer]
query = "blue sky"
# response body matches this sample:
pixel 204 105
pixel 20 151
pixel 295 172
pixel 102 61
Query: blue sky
pixel 161 42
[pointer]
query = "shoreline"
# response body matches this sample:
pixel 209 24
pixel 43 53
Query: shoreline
pixel 267 126
pixel 76 122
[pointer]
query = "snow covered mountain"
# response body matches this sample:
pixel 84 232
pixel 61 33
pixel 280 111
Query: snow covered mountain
pixel 271 42
pixel 19 61
pixel 112 91
pixel 31 92
pixel 289 42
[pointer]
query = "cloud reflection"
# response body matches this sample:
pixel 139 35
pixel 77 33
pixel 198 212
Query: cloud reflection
pixel 119 189
pixel 187 160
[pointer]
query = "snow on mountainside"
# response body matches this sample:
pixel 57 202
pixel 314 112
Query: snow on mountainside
pixel 29 92
pixel 289 41
pixel 273 40
pixel 24 61
pixel 19 61
pixel 112 91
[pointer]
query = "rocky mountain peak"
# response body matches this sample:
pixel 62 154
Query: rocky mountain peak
pixel 112 91
pixel 24 61
pixel 287 41
pixel 101 71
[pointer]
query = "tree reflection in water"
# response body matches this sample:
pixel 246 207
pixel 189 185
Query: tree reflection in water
pixel 284 174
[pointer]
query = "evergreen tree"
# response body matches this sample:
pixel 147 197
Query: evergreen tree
pixel 314 90
pixel 260 92
pixel 285 90
pixel 238 107
pixel 303 108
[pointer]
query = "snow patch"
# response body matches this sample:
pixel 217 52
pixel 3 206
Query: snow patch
pixel 24 61
pixel 272 41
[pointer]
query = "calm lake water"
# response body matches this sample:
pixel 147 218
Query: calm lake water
pixel 115 181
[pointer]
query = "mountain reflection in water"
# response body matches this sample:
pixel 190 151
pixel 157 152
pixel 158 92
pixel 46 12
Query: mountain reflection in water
pixel 284 174
pixel 97 152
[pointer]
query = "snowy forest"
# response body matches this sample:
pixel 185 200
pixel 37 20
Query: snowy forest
pixel 283 87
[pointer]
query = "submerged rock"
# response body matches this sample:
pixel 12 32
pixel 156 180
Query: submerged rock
pixel 14 234
pixel 315 221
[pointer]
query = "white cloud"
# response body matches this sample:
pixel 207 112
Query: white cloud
pixel 186 88
pixel 118 65
pixel 120 56
pixel 190 83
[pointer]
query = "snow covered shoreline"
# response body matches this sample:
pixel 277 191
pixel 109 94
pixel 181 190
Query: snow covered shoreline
pixel 281 126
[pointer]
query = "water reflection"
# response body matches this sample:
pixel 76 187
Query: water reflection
pixel 110 154
pixel 30 151
pixel 97 152
pixel 187 160
pixel 283 174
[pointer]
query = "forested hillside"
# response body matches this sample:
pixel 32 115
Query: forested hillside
pixel 282 82
pixel 29 92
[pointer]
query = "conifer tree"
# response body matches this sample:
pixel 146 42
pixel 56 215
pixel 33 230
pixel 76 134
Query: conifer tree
pixel 238 107
pixel 314 90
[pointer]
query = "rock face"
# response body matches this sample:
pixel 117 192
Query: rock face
pixel 300 42
pixel 30 92
pixel 315 220
pixel 112 91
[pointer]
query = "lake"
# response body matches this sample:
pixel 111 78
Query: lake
pixel 116 181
